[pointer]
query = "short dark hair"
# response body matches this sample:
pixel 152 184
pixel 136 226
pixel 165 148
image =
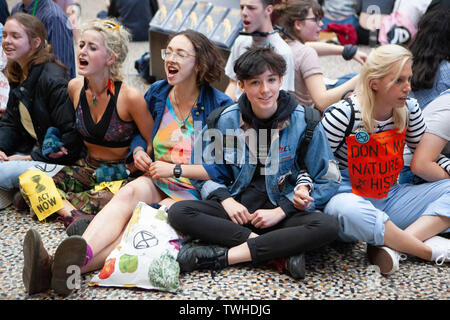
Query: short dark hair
pixel 267 3
pixel 256 60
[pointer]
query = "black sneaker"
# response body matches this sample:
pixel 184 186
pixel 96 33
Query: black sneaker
pixel 296 266
pixel 193 256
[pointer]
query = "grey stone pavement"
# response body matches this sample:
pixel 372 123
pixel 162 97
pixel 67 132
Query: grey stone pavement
pixel 337 272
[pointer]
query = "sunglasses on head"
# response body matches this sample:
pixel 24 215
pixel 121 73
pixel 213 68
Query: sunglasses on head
pixel 112 26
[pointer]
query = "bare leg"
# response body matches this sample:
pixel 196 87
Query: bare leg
pixel 402 241
pixel 428 226
pixel 240 253
pixel 109 223
pixel 98 261
pixel 66 211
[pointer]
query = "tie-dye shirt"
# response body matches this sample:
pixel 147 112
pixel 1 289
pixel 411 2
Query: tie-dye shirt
pixel 173 143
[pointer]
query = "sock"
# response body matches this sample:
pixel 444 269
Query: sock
pixel 89 255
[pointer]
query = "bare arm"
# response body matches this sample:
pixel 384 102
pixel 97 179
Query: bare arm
pixel 139 113
pixel 161 169
pixel 329 49
pixel 423 163
pixel 324 98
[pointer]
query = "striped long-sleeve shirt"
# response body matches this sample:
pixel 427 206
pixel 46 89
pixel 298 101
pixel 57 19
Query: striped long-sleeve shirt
pixel 58 27
pixel 337 118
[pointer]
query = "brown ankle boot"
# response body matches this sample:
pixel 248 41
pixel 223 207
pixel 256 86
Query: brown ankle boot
pixel 36 273
pixel 68 260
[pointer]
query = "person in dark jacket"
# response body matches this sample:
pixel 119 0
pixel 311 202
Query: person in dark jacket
pixel 38 100
pixel 135 15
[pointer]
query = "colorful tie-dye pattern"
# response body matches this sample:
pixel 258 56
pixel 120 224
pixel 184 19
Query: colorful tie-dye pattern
pixel 173 143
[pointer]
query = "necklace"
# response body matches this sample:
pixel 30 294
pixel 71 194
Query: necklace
pixel 94 96
pixel 183 126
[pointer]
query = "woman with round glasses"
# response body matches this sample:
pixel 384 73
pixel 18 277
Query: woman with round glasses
pixel 178 104
pixel 301 21
pixel 108 114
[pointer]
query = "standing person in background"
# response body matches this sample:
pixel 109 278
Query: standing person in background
pixel 4 11
pixel 256 17
pixel 72 9
pixel 340 12
pixel 371 13
pixel 135 15
pixel 59 29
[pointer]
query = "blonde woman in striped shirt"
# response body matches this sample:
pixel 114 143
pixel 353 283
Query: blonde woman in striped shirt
pixel 367 133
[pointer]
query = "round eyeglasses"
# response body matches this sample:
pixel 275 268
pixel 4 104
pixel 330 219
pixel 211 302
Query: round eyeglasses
pixel 166 53
pixel 315 19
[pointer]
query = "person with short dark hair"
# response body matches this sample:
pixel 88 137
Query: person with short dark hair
pixel 260 204
pixel 259 31
pixel 134 14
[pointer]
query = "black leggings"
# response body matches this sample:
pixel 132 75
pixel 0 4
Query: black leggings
pixel 207 220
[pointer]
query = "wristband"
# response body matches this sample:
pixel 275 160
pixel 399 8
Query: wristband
pixel 136 151
pixel 349 51
pixel 177 171
pixel 346 93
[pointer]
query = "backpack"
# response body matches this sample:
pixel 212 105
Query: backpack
pixel 312 118
pixel 142 65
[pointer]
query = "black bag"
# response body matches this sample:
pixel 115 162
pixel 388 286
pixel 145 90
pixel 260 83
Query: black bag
pixel 142 65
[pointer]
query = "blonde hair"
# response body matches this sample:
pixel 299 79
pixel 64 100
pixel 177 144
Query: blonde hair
pixel 116 39
pixel 380 62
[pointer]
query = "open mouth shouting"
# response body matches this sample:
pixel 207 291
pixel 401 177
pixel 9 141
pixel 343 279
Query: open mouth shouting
pixel 83 63
pixel 172 71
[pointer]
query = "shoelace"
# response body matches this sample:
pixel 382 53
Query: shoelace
pixel 442 257
pixel 402 256
pixel 210 263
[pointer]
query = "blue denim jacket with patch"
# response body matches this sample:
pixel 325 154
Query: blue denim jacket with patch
pixel 227 172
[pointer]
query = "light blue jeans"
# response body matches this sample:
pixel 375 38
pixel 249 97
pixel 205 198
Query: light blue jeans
pixel 363 219
pixel 11 170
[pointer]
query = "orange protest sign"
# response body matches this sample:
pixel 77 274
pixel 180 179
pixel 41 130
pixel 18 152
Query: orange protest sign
pixel 374 162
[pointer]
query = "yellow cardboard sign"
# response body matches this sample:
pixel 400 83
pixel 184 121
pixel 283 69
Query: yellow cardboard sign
pixel 112 186
pixel 41 192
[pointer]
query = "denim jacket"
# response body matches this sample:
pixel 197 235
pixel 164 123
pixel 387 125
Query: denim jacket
pixel 235 168
pixel 208 99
